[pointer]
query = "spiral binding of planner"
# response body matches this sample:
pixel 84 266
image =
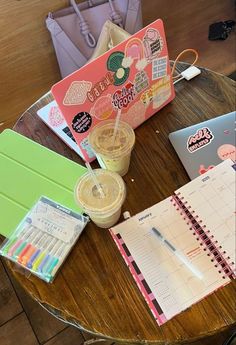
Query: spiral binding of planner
pixel 203 235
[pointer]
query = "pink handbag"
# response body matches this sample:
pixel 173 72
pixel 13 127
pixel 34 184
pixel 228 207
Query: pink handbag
pixel 75 30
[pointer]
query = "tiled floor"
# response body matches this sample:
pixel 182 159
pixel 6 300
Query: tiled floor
pixel 25 322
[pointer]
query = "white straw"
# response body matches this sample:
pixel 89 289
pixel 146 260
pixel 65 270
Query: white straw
pixel 116 126
pixel 95 180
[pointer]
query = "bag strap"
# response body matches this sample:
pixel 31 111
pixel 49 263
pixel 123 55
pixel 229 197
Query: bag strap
pixel 132 15
pixel 115 16
pixel 85 31
pixel 84 27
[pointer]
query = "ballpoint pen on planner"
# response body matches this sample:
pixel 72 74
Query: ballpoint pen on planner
pixel 178 254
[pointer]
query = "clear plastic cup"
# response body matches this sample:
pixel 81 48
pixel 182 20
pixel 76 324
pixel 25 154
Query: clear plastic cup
pixel 113 154
pixel 103 211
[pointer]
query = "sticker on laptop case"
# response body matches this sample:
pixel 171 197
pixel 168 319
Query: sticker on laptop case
pixel 100 87
pixel 134 53
pixel 141 64
pixel 158 93
pixel 159 68
pixel 134 49
pixel 227 151
pixel 77 93
pixel 202 169
pixel 161 92
pixel 55 117
pixel 200 139
pixel 135 115
pixel 114 64
pixel 153 44
pixel 87 148
pixel 102 108
pixel 141 81
pixel 122 97
pixel 82 122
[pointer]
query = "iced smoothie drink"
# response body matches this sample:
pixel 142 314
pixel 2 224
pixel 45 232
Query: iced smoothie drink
pixel 104 210
pixel 113 153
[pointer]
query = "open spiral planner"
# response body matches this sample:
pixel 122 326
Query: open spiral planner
pixel 199 221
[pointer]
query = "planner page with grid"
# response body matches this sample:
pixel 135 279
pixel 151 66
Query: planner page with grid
pixel 168 286
pixel 212 198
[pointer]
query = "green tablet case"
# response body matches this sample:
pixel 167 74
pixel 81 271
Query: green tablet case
pixel 29 170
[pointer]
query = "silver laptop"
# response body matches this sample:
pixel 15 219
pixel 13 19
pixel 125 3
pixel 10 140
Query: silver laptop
pixel 202 146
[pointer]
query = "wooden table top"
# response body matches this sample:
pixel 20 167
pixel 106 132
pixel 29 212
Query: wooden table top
pixel 94 289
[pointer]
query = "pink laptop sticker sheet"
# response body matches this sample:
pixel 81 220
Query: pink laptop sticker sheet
pixel 134 76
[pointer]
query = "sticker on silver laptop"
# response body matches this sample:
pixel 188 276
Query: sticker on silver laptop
pixel 200 139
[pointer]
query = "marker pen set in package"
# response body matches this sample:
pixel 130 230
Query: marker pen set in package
pixel 44 238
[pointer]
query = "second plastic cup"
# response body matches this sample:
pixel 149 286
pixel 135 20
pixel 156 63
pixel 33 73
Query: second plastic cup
pixel 104 210
pixel 113 153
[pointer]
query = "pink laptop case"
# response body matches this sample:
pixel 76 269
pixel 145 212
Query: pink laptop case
pixel 134 76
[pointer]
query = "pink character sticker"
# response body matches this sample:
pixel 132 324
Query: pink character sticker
pixel 227 151
pixel 153 44
pixel 202 169
pixel 55 117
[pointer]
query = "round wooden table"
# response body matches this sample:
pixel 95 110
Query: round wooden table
pixel 94 289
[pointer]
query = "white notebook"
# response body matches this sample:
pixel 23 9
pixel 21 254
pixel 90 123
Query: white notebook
pixel 199 221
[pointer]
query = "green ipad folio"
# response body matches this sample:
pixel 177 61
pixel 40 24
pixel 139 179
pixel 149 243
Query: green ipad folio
pixel 29 170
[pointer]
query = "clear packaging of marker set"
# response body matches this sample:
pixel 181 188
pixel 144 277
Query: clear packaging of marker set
pixel 44 238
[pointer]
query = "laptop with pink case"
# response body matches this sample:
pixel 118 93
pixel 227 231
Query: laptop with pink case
pixel 134 76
